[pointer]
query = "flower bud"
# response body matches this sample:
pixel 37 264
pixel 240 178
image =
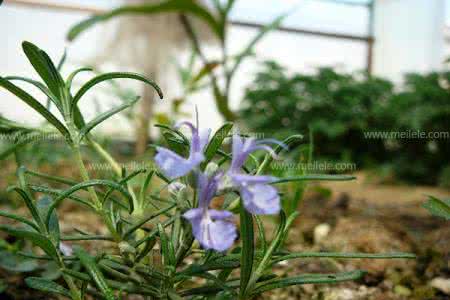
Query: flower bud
pixel 211 169
pixel 126 249
pixel 175 188
pixel 225 185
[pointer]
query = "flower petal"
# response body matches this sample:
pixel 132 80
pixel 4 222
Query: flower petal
pixel 193 213
pixel 261 199
pixel 211 229
pixel 238 155
pixel 220 214
pixel 245 179
pixel 173 165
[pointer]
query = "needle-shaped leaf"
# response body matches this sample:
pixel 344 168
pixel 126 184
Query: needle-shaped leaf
pixel 248 250
pixel 36 238
pixel 57 192
pixel 84 185
pixel 104 116
pixel 108 76
pixel 44 67
pixel 337 255
pixel 169 6
pixel 255 276
pixel 43 206
pixel 308 279
pixel 33 103
pixel 216 142
pixel 146 219
pixel 72 75
pixel 438 207
pixel 19 219
pixel 94 272
pixel 291 142
pixel 30 205
pixel 46 285
pixel 40 86
pixel 167 250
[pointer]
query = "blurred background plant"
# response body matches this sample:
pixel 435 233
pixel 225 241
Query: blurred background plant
pixel 342 111
pixel 220 72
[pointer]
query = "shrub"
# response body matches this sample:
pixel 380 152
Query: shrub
pixel 161 245
pixel 342 109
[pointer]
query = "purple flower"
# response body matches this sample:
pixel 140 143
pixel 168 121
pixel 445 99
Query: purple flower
pixel 173 165
pixel 258 196
pixel 211 227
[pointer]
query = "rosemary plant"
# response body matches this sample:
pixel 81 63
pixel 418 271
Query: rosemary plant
pixel 162 245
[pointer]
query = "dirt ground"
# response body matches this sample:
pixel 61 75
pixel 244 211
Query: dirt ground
pixel 360 216
pixel 363 216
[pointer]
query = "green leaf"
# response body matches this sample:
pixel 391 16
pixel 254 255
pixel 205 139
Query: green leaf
pixel 46 285
pixel 127 287
pixel 216 142
pixel 438 207
pixel 102 117
pixel 84 185
pixel 36 238
pixel 167 250
pixel 44 67
pixel 16 263
pixel 108 76
pixel 146 219
pixel 30 205
pixel 144 187
pixel 313 177
pixel 72 75
pixel 263 264
pixel 57 192
pixel 19 219
pixel 399 255
pixel 95 274
pixel 41 87
pixel 170 6
pixel 43 206
pixel 176 144
pixel 9 126
pixel 291 142
pixel 308 279
pixel 33 103
pixel 58 179
pixel 261 233
pixel 248 250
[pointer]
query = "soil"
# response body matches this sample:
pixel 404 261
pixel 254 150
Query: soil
pixel 362 216
pixel 359 216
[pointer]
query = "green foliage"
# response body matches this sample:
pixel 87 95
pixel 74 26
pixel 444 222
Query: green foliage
pixel 438 207
pixel 139 224
pixel 342 109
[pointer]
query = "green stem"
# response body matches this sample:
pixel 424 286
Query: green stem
pixel 116 168
pixel 75 293
pixel 96 201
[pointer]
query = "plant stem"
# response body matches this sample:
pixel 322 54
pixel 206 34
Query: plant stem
pixel 116 168
pixel 97 203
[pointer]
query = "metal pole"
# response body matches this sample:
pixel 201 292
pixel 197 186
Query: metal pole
pixel 371 41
